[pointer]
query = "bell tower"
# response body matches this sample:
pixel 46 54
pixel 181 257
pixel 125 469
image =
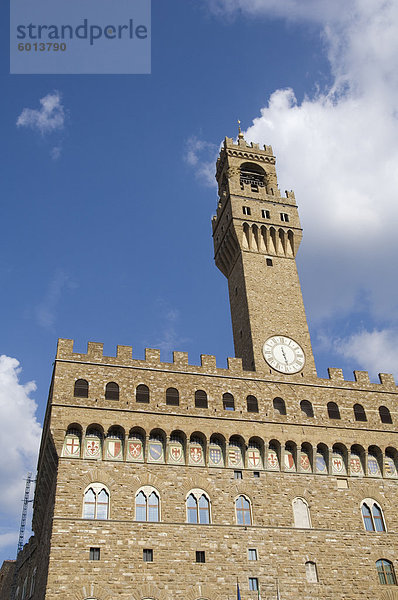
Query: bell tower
pixel 256 236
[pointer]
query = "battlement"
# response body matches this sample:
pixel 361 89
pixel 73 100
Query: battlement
pixel 241 143
pixel 208 365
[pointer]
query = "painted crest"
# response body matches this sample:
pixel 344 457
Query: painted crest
pixel 92 448
pixel 320 464
pixel 373 466
pixel 72 446
pixel 355 465
pixel 389 467
pixel 272 460
pixel 196 454
pixel 234 456
pixel 176 453
pixel 338 464
pixel 156 450
pixel 289 461
pixel 253 457
pixel 114 449
pixel 305 462
pixel 135 450
pixel 215 456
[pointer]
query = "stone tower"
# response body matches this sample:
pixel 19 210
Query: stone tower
pixel 256 235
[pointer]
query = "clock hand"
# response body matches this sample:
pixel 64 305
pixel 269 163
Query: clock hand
pixel 284 355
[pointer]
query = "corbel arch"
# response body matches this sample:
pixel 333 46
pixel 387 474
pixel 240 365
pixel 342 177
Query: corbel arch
pixel 148 592
pixel 92 591
pixel 147 479
pixel 97 474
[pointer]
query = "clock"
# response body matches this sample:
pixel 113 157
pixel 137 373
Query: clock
pixel 283 354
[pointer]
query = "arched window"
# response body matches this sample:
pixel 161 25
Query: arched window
pixel 216 451
pixel 33 581
pixel 290 456
pixel 333 410
pixel 390 462
pixel 243 512
pixel 306 408
pixel 135 445
pixel 96 502
pixel 176 448
pixel 273 455
pixel 374 461
pixel 321 460
pixel 359 412
pixel 71 446
pixel 301 514
pixel 198 507
pixel 81 389
pixel 385 570
pixel 252 404
pixel 114 443
pixel 172 397
pixel 235 452
pixel 306 458
pixel 147 505
pixel 253 175
pixel 197 444
pixel 339 459
pixel 142 394
pixel 24 588
pixel 156 446
pixel 200 399
pixel 93 442
pixel 254 452
pixel 311 572
pixel 356 460
pixel 372 516
pixel 228 402
pixel 280 406
pixel 385 415
pixel 112 391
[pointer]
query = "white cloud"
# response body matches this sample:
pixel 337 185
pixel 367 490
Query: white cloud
pixel 56 152
pixel 20 444
pixel 46 311
pixel 9 540
pixel 375 351
pixel 201 155
pixel 48 118
pixel 168 337
pixel 338 149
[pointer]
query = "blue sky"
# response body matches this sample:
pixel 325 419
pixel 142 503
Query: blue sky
pixel 107 194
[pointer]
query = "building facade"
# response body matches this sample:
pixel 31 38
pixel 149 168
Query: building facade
pixel 171 480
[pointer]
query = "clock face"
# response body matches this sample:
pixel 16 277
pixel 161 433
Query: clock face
pixel 283 354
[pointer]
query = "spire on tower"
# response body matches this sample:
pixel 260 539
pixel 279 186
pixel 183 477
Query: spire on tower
pixel 240 134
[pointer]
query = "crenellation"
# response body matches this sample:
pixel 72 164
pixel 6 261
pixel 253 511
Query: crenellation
pixel 152 356
pixel 180 359
pixel 387 380
pixel 64 348
pixel 124 353
pixel 362 377
pixel 235 365
pixel 95 350
pixel 335 374
pixel 208 362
